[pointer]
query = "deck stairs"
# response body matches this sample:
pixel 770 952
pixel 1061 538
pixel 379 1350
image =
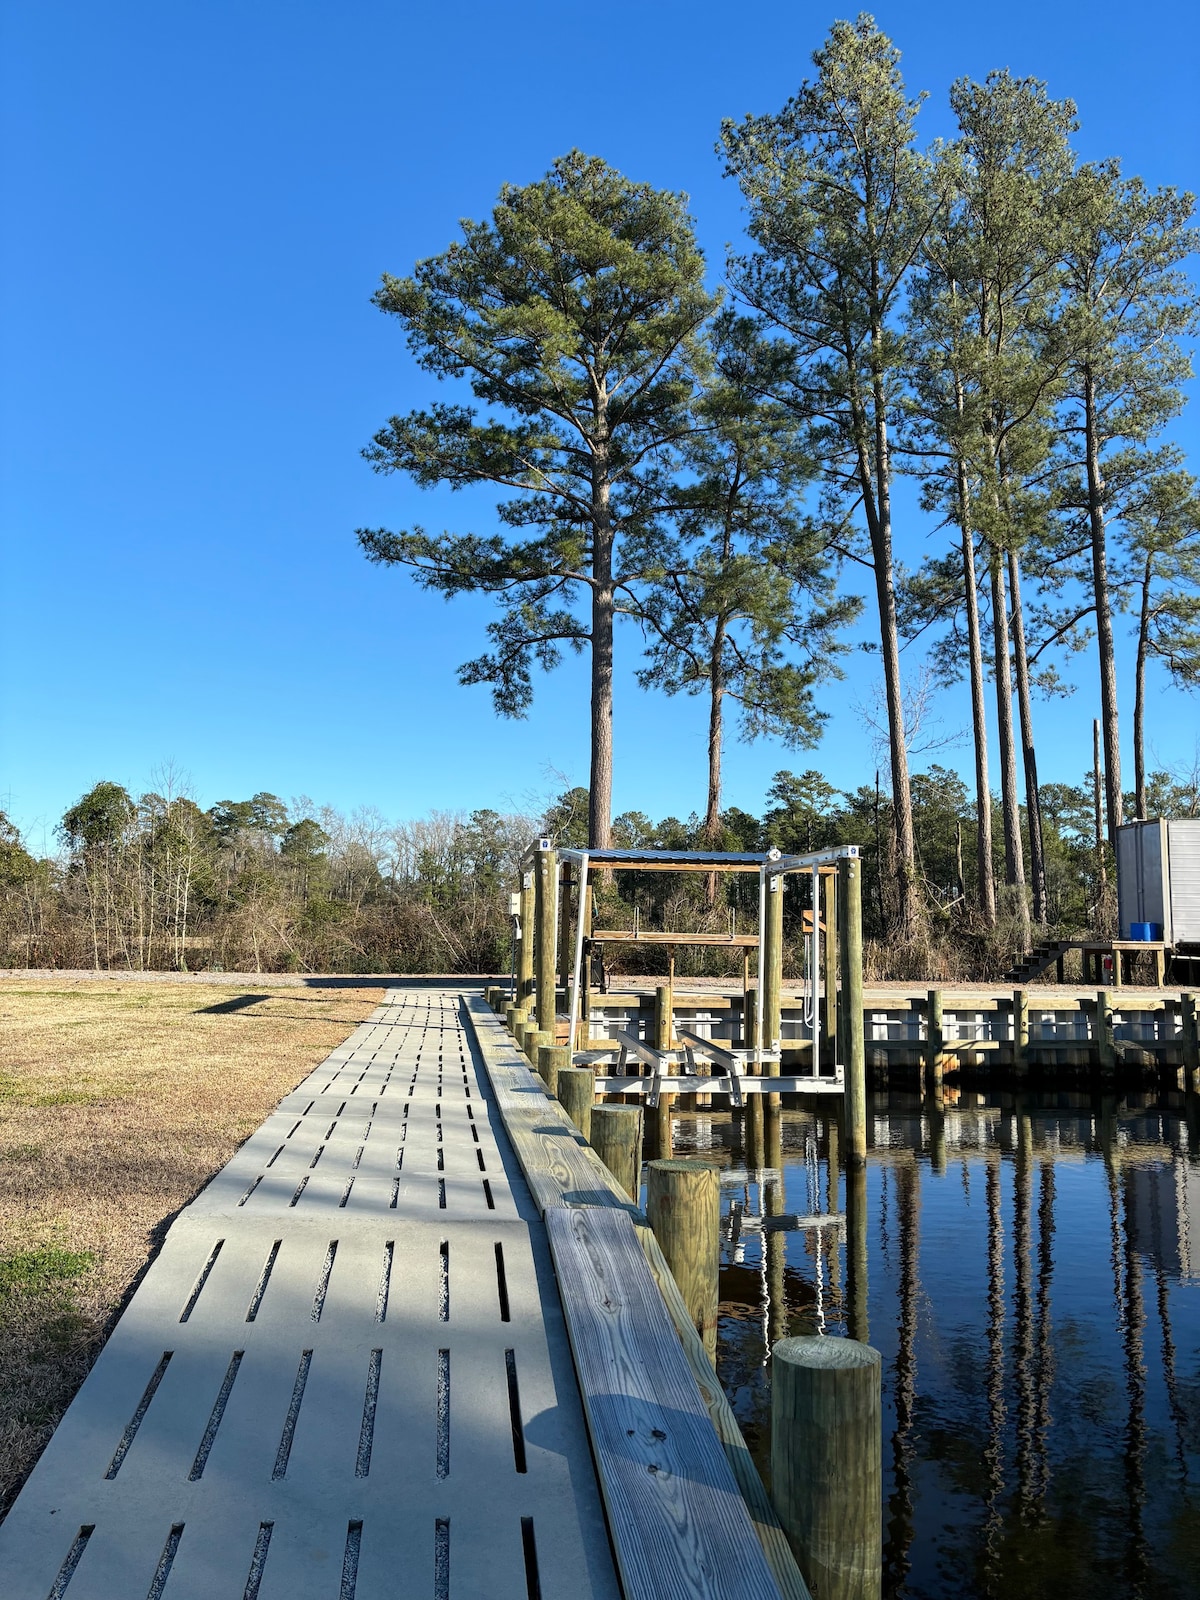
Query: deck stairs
pixel 1034 962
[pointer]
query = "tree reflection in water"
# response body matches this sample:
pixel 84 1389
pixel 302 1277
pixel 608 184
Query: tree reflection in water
pixel 1031 1275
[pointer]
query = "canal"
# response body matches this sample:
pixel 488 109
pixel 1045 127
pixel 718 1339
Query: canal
pixel 1033 1286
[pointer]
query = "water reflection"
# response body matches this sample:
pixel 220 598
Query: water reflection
pixel 1031 1273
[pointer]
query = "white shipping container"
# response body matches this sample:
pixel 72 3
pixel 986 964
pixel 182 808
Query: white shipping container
pixel 1158 878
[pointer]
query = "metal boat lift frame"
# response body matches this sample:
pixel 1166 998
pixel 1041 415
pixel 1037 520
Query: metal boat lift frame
pixel 769 864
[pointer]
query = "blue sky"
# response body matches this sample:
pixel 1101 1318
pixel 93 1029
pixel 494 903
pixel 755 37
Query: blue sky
pixel 198 201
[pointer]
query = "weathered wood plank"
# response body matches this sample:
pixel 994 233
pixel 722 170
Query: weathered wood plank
pixel 771 1536
pixel 679 1526
pixel 559 1167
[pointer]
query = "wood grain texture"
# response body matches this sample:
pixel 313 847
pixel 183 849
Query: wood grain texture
pixel 771 965
pixel 683 1203
pixel 545 936
pixel 617 1140
pixel 826 1443
pixel 853 1031
pixel 525 947
pixel 559 1168
pixel 788 1577
pixel 679 1526
pixel 577 1095
pixel 551 1060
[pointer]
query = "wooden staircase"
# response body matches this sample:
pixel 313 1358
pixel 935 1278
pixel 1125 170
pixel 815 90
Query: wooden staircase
pixel 1035 961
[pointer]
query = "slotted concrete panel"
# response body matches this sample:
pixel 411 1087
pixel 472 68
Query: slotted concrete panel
pixel 344 1379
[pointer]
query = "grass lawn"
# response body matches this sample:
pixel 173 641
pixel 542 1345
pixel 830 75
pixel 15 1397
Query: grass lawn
pixel 118 1101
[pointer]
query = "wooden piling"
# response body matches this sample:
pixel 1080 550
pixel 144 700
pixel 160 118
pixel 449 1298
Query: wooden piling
pixel 1106 1054
pixel 830 946
pixel 513 1015
pixel 585 975
pixel 663 1026
pixel 683 1206
pixel 535 1041
pixel 525 942
pixel 770 967
pixel 663 1019
pixel 826 1462
pixel 934 1044
pixel 1020 1038
pixel 850 961
pixel 552 1058
pixel 616 1137
pixel 566 944
pixel 546 937
pixel 576 1094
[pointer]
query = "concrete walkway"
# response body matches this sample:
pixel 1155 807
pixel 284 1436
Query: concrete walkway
pixel 345 1376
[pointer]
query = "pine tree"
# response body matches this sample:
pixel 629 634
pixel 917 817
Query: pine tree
pixel 839 204
pixel 742 607
pixel 985 380
pixel 1161 529
pixel 1128 307
pixel 574 316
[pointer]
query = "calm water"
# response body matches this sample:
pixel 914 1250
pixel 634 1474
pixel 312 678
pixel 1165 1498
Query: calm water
pixel 1034 1289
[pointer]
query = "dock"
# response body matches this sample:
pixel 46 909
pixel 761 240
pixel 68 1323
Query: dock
pixel 411 1341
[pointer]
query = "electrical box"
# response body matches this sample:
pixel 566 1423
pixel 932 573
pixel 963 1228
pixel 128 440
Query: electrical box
pixel 1158 879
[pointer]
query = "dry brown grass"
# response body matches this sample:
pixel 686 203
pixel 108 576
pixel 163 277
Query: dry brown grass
pixel 118 1101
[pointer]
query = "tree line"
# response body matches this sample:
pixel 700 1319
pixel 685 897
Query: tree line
pixel 155 882
pixel 990 316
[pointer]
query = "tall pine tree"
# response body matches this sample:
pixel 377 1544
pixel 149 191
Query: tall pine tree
pixel 839 203
pixel 574 316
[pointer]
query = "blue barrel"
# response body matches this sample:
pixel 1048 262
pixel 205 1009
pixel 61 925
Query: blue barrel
pixel 1145 932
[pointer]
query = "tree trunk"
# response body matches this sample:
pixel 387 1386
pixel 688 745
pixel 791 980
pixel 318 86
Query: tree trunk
pixel 1104 630
pixel 1033 806
pixel 874 473
pixel 716 732
pixel 902 818
pixel 1101 867
pixel 1014 860
pixel 716 735
pixel 600 786
pixel 1139 694
pixel 983 796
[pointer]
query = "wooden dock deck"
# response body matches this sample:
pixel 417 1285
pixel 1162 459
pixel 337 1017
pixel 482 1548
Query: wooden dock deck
pixel 348 1373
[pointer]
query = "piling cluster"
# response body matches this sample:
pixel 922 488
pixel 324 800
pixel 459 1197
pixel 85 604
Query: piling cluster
pixel 826 1392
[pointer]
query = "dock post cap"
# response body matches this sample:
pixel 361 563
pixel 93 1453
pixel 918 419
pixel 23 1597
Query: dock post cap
pixel 824 1350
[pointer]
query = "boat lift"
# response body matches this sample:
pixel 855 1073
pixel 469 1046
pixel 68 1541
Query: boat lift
pixel 734 1071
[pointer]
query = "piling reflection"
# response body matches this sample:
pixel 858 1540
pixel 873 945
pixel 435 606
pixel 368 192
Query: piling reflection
pixel 1031 1275
pixel 899 1520
pixel 993 1453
